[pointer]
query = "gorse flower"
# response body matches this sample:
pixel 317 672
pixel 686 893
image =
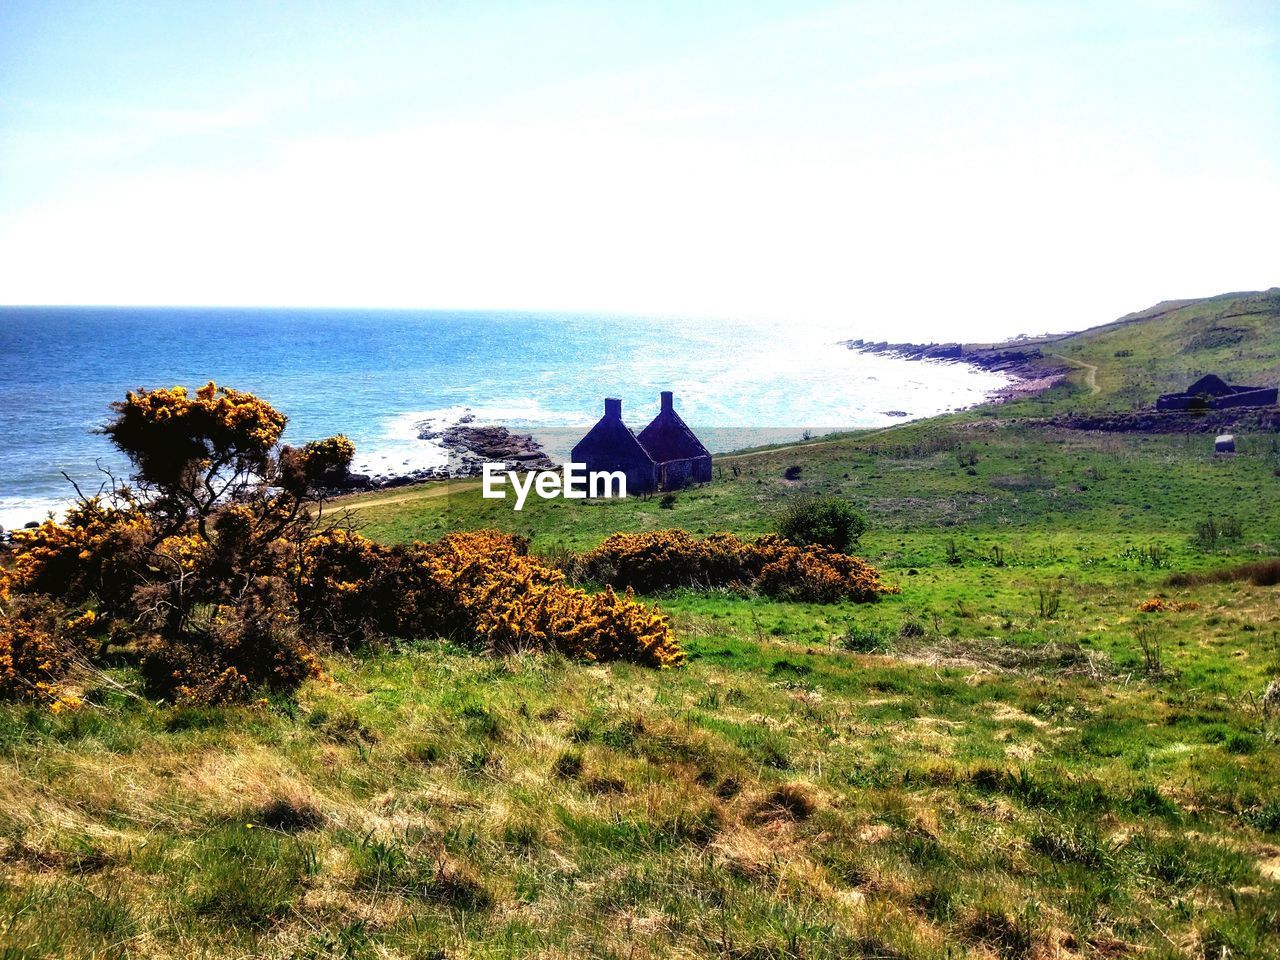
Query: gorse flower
pixel 221 578
pixel 38 647
pixel 92 553
pixel 664 559
pixel 480 589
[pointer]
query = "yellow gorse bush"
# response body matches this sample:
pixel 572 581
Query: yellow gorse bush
pixel 481 589
pixel 38 647
pixel 814 573
pixel 223 412
pixel 664 559
pixel 1163 605
pixel 516 603
pixel 90 553
pixel 187 552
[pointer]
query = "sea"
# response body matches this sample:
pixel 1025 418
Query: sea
pixel 379 376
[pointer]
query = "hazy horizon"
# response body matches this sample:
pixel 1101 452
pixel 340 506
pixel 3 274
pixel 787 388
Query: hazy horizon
pixel 928 172
pixel 842 329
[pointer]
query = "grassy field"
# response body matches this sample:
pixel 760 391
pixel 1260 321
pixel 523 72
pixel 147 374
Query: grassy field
pixel 1006 759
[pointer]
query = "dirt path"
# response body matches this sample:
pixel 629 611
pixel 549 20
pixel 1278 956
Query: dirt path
pixel 425 491
pixel 1090 372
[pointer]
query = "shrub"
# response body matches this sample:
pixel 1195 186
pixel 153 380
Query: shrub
pixel 39 645
pixel 95 552
pixel 495 593
pixel 816 574
pixel 349 590
pixel 1163 604
pixel 665 559
pixel 830 522
pixel 480 589
pixel 233 653
pixel 864 640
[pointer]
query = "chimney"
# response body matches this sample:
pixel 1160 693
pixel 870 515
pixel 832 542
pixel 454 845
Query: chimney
pixel 667 403
pixel 613 408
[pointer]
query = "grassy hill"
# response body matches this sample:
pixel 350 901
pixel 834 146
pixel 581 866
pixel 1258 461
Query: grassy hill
pixel 1006 759
pixel 1167 347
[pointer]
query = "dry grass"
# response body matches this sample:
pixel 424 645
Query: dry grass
pixel 1265 573
pixel 533 807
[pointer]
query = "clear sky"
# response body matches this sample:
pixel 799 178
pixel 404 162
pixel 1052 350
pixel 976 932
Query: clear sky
pixel 898 168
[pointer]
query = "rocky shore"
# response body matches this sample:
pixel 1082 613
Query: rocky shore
pixel 1030 369
pixel 469 446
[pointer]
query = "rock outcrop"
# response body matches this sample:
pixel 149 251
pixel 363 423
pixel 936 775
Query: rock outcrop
pixel 470 446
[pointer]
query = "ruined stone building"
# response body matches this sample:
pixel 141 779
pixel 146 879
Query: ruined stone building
pixel 1213 393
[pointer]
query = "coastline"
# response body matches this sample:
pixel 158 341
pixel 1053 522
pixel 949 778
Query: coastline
pixel 451 443
pixel 1029 370
pixel 467 445
pixel 1025 371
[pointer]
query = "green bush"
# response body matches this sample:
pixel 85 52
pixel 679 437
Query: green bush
pixel 861 639
pixel 823 521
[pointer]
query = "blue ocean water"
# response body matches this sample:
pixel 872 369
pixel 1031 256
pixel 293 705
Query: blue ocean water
pixel 375 375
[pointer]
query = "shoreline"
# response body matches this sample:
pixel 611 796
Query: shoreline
pixel 467 445
pixel 459 443
pixel 1030 371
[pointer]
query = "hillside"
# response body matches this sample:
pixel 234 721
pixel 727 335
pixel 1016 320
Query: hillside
pixel 1007 759
pixel 1166 347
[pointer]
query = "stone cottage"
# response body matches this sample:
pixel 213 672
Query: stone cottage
pixel 610 445
pixel 665 456
pixel 679 455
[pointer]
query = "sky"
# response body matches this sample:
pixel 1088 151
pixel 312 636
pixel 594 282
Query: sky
pixel 900 170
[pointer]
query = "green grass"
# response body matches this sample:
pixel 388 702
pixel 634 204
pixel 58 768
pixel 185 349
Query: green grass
pixel 984 764
pixel 446 802
pixel 1039 495
pixel 1165 349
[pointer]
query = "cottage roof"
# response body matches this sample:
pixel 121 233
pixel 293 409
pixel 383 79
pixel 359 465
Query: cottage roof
pixel 610 437
pixel 668 437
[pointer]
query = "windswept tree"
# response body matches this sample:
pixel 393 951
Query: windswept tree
pixel 198 560
pixel 230 504
pixel 192 455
